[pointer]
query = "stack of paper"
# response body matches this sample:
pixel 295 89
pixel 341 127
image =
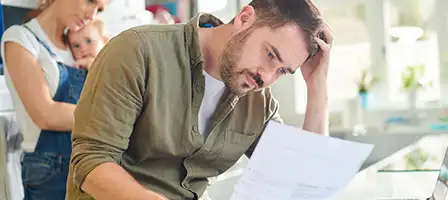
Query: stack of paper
pixel 293 164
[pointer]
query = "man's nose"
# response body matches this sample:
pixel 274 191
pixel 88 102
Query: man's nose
pixel 267 73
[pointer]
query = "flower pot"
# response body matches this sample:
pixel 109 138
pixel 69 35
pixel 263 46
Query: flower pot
pixel 364 100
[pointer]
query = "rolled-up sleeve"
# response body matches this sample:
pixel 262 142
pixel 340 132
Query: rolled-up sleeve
pixel 110 104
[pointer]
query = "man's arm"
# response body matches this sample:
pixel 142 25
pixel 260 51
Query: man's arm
pixel 316 114
pixel 111 102
pixel 315 73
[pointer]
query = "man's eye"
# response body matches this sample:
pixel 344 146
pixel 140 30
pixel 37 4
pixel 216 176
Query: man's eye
pixel 76 46
pixel 270 55
pixel 89 41
pixel 283 71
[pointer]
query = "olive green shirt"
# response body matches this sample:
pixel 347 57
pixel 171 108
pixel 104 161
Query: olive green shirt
pixel 139 108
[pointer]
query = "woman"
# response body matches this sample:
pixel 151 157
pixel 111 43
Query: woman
pixel 45 90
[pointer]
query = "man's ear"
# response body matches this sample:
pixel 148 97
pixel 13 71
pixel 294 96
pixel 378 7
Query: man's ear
pixel 245 18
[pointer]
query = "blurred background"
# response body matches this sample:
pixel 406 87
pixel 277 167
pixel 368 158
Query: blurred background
pixel 388 76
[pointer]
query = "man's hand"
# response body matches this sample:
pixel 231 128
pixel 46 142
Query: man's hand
pixel 315 73
pixel 315 70
pixel 84 63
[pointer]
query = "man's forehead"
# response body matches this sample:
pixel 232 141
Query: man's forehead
pixel 291 44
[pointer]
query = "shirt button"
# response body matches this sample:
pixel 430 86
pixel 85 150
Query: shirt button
pixel 195 128
pixel 199 88
pixel 235 101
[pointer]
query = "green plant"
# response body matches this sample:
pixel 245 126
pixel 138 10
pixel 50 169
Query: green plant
pixel 416 159
pixel 366 81
pixel 413 78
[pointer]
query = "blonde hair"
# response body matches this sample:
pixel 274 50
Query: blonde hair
pixel 43 4
pixel 99 24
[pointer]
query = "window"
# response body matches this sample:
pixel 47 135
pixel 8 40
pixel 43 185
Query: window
pixel 413 42
pixel 349 56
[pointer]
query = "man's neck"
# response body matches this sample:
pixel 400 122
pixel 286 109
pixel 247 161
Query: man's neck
pixel 212 43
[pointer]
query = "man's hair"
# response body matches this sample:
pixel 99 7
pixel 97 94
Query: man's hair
pixel 277 13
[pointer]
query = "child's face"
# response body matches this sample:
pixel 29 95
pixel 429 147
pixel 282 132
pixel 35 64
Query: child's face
pixel 86 42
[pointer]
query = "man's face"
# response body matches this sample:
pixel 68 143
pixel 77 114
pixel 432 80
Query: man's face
pixel 255 58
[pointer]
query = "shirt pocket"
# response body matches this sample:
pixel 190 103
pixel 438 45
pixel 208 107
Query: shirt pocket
pixel 235 145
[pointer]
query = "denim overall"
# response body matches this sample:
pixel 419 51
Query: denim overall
pixel 45 171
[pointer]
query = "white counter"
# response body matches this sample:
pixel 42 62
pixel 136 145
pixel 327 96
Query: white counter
pixel 367 184
pixel 372 184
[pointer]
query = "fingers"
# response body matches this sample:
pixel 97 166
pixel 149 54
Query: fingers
pixel 329 37
pixel 84 61
pixel 324 46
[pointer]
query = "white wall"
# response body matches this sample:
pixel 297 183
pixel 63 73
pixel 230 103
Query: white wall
pixel 123 14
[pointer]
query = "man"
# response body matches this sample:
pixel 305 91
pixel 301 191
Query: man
pixel 166 107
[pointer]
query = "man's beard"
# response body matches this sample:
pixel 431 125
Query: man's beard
pixel 228 65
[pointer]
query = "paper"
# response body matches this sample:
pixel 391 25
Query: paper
pixel 293 164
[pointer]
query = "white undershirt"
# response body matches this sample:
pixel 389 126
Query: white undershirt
pixel 214 89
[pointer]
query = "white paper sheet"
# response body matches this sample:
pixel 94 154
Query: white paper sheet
pixel 293 164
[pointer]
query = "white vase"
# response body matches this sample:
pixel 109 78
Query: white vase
pixel 412 99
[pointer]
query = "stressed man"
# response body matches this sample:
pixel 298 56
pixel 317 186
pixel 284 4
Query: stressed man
pixel 166 107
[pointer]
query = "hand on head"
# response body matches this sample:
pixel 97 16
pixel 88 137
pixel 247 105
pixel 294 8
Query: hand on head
pixel 315 69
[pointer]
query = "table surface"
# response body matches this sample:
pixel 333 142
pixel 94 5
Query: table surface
pixel 392 176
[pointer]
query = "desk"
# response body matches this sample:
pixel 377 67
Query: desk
pixel 369 183
pixel 385 179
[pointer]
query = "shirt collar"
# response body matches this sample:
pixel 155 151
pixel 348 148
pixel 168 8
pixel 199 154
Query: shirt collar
pixel 192 35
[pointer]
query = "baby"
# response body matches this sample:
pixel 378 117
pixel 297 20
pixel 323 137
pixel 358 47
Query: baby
pixel 86 43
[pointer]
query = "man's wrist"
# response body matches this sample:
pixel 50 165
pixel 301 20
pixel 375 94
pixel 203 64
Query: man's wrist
pixel 317 93
pixel 316 115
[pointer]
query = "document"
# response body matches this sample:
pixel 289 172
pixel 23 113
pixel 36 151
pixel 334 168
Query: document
pixel 293 164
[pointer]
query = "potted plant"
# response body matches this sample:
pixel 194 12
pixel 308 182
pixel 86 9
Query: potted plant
pixel 413 80
pixel 365 84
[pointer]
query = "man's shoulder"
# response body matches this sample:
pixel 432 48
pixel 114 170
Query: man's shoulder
pixel 157 39
pixel 152 31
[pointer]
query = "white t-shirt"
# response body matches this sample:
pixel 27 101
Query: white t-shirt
pixel 214 89
pixel 20 35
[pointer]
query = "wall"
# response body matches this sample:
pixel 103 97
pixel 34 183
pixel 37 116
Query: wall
pixel 123 14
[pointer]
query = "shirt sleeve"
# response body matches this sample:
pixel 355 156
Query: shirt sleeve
pixel 274 115
pixel 22 36
pixel 110 104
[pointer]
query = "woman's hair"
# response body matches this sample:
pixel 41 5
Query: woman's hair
pixel 43 4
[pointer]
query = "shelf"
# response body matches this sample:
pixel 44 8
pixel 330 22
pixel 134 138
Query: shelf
pixel 20 3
